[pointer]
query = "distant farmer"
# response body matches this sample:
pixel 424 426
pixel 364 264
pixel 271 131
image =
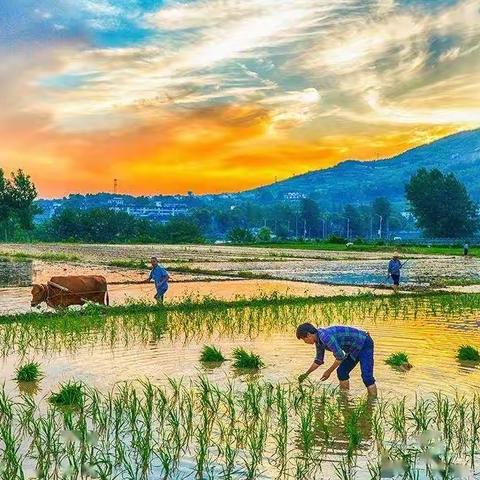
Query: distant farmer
pixel 465 249
pixel 349 346
pixel 160 277
pixel 394 267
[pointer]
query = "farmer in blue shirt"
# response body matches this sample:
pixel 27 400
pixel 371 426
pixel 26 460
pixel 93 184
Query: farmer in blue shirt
pixel 394 267
pixel 160 277
pixel 349 346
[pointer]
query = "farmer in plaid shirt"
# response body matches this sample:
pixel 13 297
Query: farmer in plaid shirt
pixel 349 346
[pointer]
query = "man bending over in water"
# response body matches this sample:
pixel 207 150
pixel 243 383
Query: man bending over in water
pixel 349 346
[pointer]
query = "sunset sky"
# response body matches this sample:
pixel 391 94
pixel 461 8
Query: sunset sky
pixel 224 95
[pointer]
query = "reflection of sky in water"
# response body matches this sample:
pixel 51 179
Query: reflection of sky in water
pixel 375 273
pixel 15 273
pixel 357 278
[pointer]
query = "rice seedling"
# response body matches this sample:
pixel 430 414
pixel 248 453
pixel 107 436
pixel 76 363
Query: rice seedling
pixel 29 372
pixel 245 360
pixel 345 470
pixel 71 394
pixel 398 359
pixel 211 354
pixel 232 432
pixel 468 353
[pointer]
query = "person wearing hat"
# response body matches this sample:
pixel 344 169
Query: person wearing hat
pixel 394 267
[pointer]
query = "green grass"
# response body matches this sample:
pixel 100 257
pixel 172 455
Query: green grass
pixel 369 247
pixel 397 359
pixel 253 275
pixel 468 353
pixel 447 300
pixel 54 257
pixel 210 353
pixel 70 395
pixel 30 372
pixel 245 360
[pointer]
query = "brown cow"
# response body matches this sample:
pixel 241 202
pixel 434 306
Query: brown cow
pixel 72 290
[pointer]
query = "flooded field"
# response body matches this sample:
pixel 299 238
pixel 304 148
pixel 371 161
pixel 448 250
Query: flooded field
pixel 215 421
pixel 145 407
pixel 124 286
pixel 340 268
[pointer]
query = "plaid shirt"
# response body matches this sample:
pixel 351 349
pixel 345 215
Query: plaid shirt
pixel 339 340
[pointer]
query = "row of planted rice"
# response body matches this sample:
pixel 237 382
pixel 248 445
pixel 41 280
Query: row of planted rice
pixel 220 421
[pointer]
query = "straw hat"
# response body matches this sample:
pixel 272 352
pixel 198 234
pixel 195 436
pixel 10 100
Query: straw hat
pixel 396 255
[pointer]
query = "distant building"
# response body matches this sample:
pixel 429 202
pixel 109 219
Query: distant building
pixel 161 212
pixel 293 196
pixel 116 201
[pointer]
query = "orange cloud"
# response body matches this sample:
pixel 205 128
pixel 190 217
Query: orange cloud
pixel 215 149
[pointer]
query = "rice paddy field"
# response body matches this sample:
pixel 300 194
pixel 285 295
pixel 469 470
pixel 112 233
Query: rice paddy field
pixel 126 393
pixel 317 266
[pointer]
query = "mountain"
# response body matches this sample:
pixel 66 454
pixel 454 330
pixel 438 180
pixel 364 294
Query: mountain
pixel 360 182
pixel 352 181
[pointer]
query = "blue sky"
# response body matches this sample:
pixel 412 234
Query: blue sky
pixel 174 88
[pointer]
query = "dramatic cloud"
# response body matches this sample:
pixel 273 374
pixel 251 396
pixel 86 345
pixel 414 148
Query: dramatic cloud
pixel 216 95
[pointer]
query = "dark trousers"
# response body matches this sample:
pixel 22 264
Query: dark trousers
pixel 365 358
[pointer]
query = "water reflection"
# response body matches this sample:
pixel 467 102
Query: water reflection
pixel 106 349
pixel 15 274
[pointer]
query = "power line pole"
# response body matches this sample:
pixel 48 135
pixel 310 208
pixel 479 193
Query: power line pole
pixel 115 186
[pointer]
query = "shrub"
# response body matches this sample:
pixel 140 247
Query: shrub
pixel 468 353
pixel 69 395
pixel 211 353
pixel 243 359
pixel 30 372
pixel 336 239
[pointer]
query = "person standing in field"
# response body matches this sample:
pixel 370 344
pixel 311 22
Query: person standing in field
pixel 465 249
pixel 349 346
pixel 394 267
pixel 160 277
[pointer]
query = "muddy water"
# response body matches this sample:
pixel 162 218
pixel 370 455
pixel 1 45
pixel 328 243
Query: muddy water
pixel 17 300
pixel 342 268
pixel 168 344
pixel 123 283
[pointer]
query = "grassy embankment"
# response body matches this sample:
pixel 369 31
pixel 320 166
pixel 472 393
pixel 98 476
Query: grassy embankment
pixel 369 247
pixel 443 300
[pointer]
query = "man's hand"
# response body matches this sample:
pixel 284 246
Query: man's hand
pixel 302 377
pixel 326 375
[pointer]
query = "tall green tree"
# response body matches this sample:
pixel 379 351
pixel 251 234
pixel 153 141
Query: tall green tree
pixel 381 209
pixel 181 230
pixel 240 235
pixel 441 204
pixel 310 218
pixel 17 207
pixel 356 221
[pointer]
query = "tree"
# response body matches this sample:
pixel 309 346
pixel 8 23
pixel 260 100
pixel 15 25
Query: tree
pixel 356 222
pixel 264 234
pixel 180 230
pixel 202 217
pixel 381 207
pixel 240 235
pixel 17 197
pixel 310 216
pixel 441 204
